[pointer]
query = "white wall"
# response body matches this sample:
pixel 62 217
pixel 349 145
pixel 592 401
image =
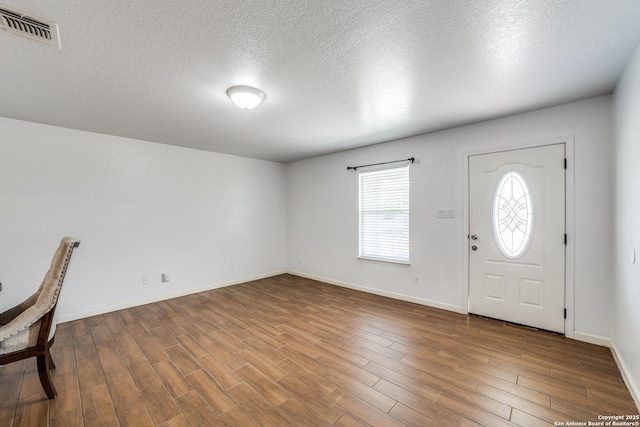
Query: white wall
pixel 322 211
pixel 626 313
pixel 210 219
pixel 140 209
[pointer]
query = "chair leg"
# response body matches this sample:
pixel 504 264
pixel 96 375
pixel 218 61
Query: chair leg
pixel 51 364
pixel 44 365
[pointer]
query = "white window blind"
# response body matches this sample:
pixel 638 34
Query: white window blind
pixel 384 215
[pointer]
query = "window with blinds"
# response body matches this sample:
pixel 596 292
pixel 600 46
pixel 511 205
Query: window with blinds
pixel 384 215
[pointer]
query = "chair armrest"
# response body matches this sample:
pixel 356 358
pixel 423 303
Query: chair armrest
pixel 10 314
pixel 44 302
pixel 21 323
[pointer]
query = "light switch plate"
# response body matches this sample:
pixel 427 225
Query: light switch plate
pixel 446 213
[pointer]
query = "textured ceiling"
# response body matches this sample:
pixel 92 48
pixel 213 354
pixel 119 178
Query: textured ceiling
pixel 337 74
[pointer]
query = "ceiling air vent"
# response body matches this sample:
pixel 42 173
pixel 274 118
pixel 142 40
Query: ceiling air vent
pixel 37 29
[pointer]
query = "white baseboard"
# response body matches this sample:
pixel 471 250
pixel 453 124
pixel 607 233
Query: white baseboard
pixel 129 304
pixel 592 339
pixel 403 297
pixel 634 390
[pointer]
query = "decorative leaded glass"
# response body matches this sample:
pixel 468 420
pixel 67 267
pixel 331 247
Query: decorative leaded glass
pixel 512 216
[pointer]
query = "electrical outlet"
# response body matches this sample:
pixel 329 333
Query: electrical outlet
pixel 166 277
pixel 416 280
pixel 145 280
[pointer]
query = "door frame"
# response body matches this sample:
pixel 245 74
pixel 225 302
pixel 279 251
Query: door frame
pixel 569 272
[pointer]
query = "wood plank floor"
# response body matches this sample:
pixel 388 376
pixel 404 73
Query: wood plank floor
pixel 291 351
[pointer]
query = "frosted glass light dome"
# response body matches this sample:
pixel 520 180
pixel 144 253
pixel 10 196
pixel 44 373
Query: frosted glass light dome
pixel 246 97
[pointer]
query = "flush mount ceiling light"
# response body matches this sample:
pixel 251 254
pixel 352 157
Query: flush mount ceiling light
pixel 246 97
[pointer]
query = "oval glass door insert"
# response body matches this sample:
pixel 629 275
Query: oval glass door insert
pixel 512 216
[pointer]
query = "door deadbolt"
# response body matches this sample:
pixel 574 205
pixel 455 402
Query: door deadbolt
pixel 474 248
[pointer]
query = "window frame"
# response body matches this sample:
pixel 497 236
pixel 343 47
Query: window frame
pixel 376 240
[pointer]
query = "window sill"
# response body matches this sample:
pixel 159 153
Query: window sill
pixel 385 261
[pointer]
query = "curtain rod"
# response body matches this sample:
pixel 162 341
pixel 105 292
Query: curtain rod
pixel 410 159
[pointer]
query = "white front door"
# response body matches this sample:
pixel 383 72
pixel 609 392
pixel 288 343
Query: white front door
pixel 517 236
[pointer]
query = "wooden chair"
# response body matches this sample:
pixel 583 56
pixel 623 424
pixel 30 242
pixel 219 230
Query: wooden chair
pixel 28 329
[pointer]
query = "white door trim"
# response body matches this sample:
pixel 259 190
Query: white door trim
pixel 569 212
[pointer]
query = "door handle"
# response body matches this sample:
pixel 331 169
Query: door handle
pixel 474 237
